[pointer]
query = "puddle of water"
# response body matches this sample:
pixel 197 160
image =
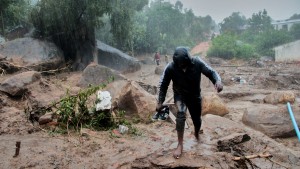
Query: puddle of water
pixel 188 144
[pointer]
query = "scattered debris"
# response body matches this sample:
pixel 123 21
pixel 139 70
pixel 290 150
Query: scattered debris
pixel 227 142
pixel 104 100
pixel 123 129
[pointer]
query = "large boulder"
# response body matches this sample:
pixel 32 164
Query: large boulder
pixel 136 101
pixel 115 88
pixel 33 53
pixel 95 74
pixel 116 59
pixel 213 104
pixel 17 84
pixel 159 70
pixel 280 97
pixel 271 120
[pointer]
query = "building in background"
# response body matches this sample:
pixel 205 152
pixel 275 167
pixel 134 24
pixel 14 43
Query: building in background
pixel 285 24
pixel 288 52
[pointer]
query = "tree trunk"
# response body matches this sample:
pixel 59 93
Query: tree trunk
pixel 2 27
pixel 79 47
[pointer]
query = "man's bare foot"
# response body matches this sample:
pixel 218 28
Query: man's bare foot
pixel 197 136
pixel 177 153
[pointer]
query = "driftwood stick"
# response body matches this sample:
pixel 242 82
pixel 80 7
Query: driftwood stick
pixel 262 155
pixel 48 72
pixel 168 99
pixel 18 146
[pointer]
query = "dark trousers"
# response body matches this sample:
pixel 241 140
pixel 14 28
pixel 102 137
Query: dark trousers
pixel 194 107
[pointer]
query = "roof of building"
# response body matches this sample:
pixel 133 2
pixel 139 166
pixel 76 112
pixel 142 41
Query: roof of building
pixel 280 22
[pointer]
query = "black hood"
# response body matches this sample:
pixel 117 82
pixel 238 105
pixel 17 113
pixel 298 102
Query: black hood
pixel 181 56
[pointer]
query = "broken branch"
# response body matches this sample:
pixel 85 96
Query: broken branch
pixel 262 155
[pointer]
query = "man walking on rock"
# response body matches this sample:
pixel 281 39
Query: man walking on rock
pixel 185 73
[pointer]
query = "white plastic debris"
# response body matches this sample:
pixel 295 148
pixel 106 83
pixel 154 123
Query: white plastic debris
pixel 123 129
pixel 104 100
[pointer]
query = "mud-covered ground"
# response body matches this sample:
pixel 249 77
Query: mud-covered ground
pixel 153 144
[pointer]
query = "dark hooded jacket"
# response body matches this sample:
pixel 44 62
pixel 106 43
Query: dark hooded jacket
pixel 185 84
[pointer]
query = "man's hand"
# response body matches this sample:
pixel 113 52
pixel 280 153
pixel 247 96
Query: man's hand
pixel 158 107
pixel 218 86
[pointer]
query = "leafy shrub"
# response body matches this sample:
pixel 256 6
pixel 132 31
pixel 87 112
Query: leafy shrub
pixel 72 110
pixel 223 46
pixel 266 41
pixel 227 46
pixel 245 51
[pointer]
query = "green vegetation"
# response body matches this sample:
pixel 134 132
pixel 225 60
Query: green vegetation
pixel 159 27
pixel 227 46
pixel 13 13
pixel 71 24
pixel 295 31
pixel 74 112
pixel 233 24
pixel 248 40
pixel 141 26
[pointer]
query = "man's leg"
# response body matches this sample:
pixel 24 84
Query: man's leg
pixel 180 121
pixel 194 107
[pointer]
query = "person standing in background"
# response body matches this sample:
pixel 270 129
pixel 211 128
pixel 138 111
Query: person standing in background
pixel 166 59
pixel 157 58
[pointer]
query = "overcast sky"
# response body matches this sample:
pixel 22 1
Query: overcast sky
pixel 220 9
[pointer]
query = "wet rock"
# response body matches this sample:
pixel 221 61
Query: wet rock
pixel 17 84
pixel 280 97
pixel 116 59
pixel 115 88
pixel 136 101
pixel 271 120
pixel 33 53
pixel 213 104
pixel 95 74
pixel 46 118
